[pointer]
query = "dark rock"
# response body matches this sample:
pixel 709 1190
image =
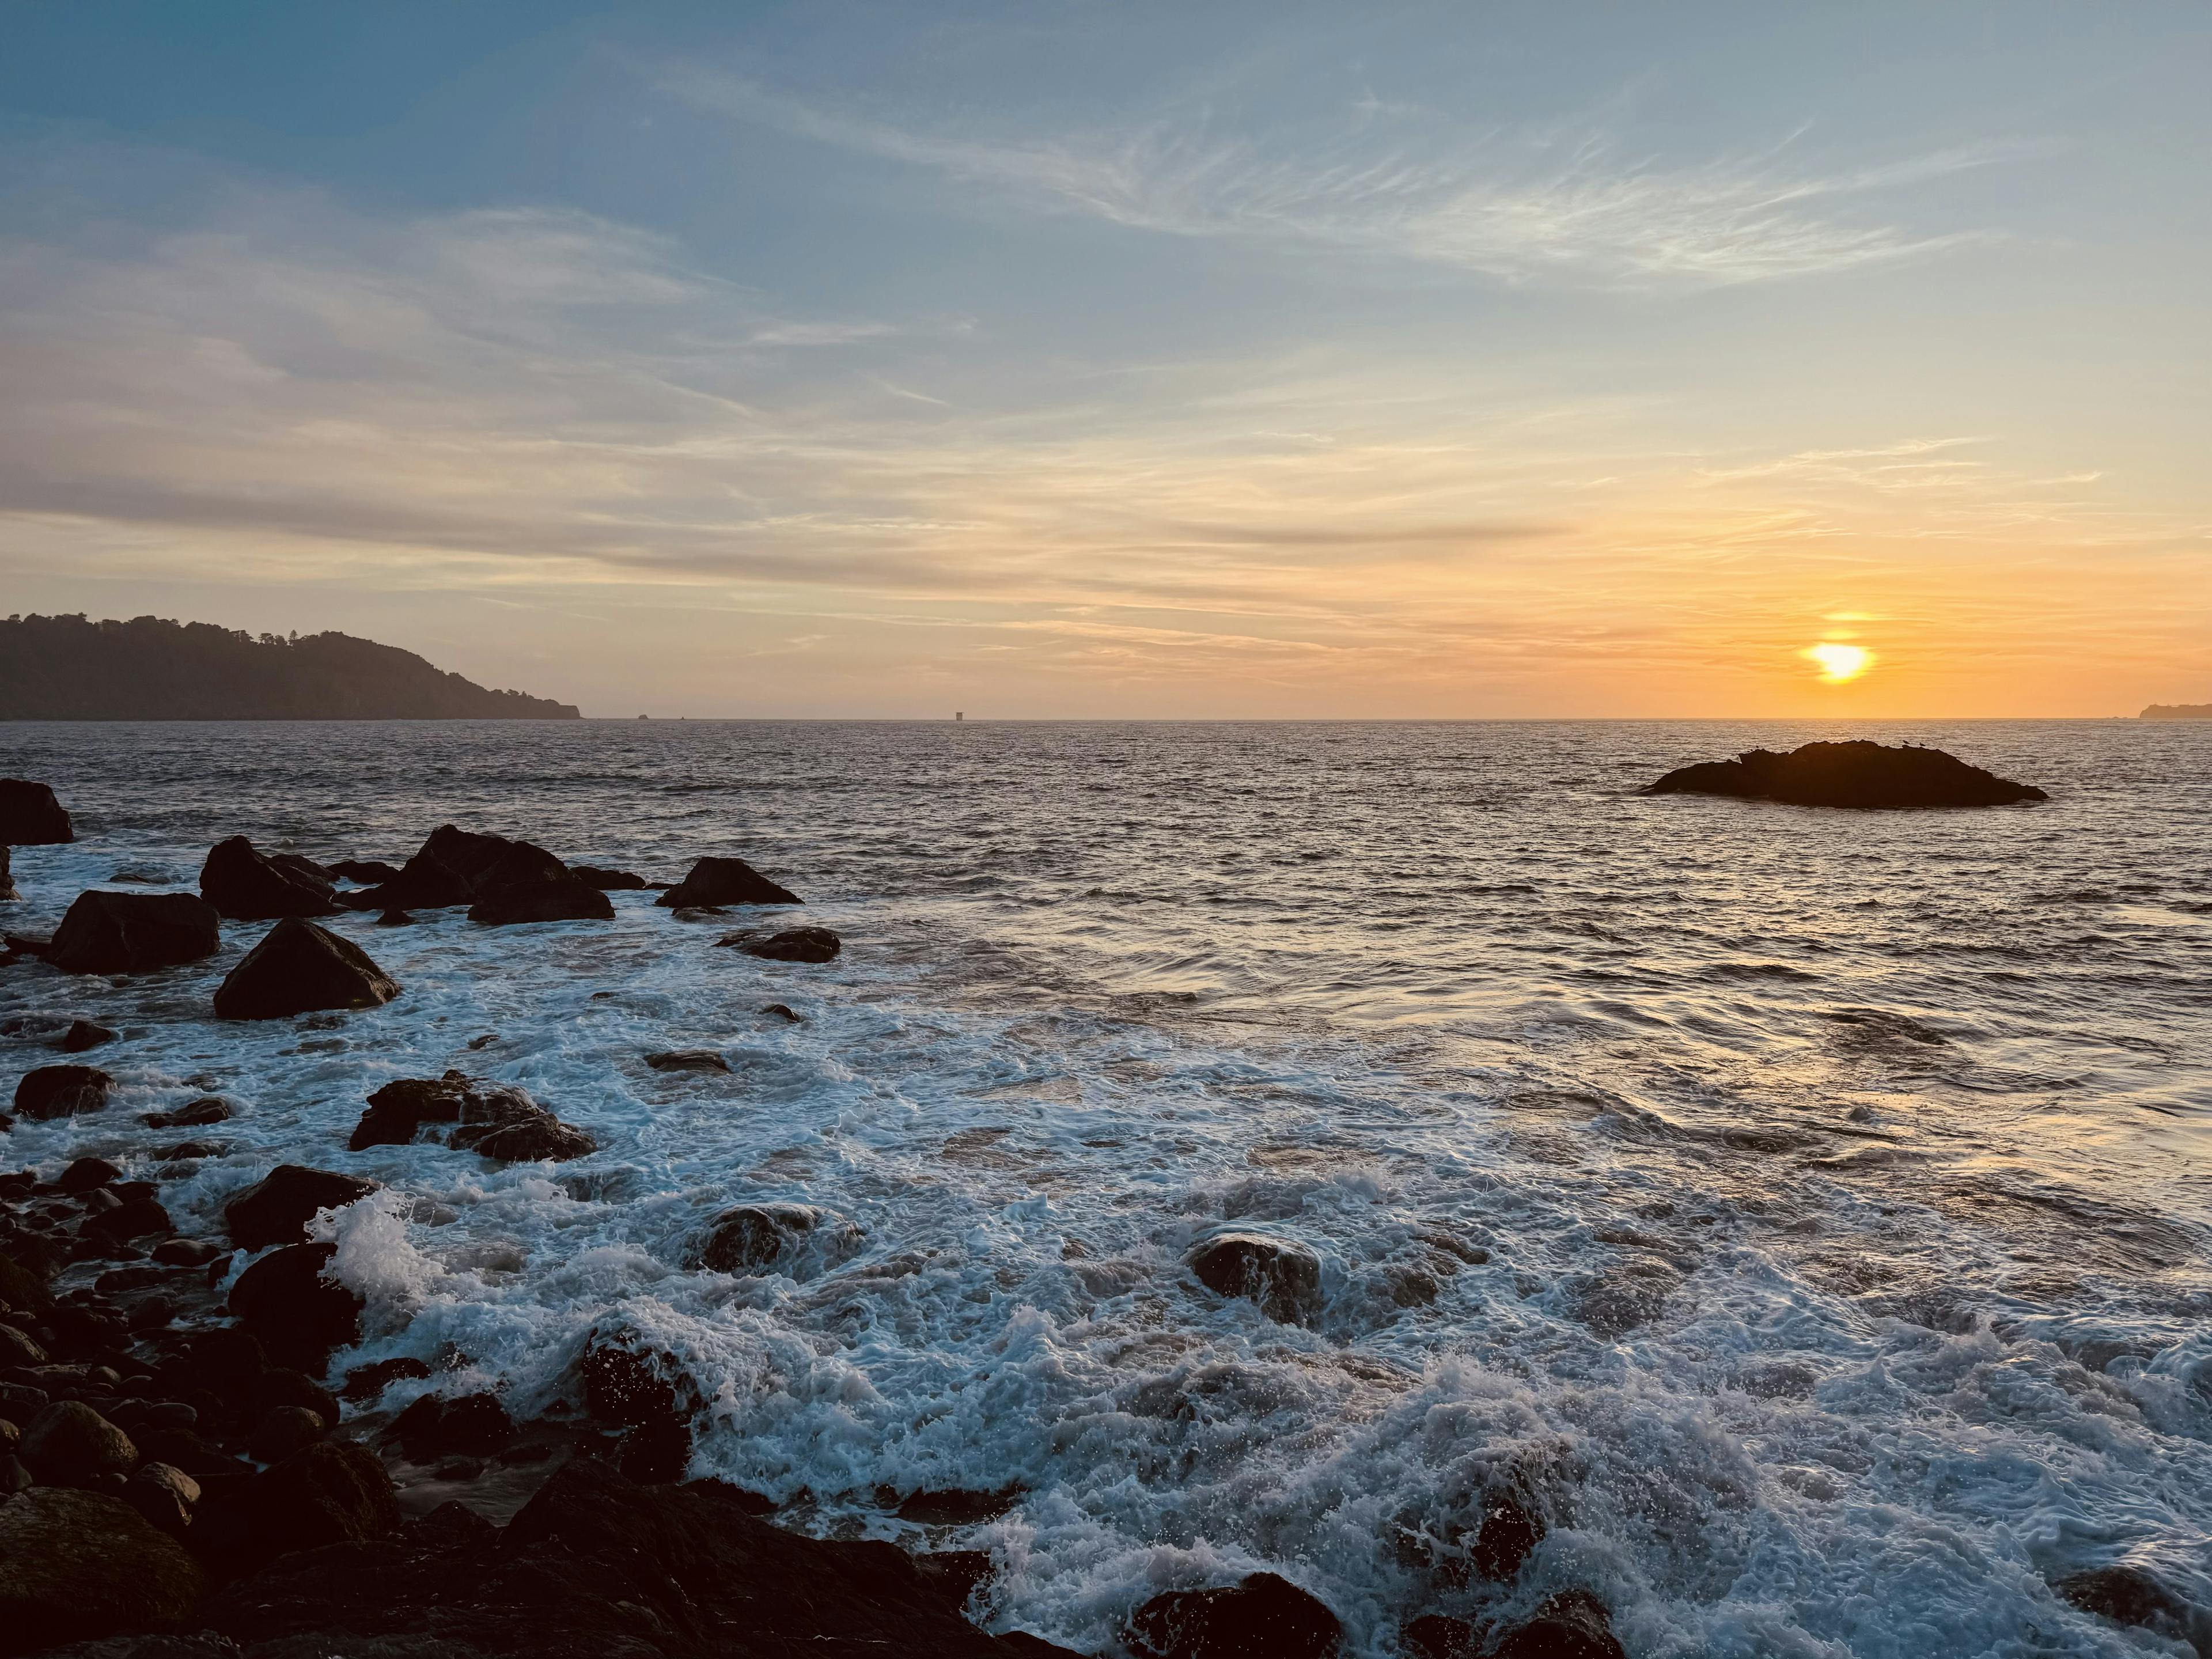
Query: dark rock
pixel 394 919
pixel 781 1013
pixel 1626 1295
pixel 1508 1532
pixel 31 817
pixel 612 881
pixel 1283 1278
pixel 187 1252
pixel 193 1115
pixel 958 1506
pixel 628 1386
pixel 70 1445
pixel 52 1092
pixel 77 1565
pixel 497 1120
pixel 136 1217
pixel 809 945
pixel 368 1382
pixel 1437 1635
pixel 245 886
pixel 86 1173
pixel 1266 1617
pixel 19 1349
pixel 300 1315
pixel 300 967
pixel 134 933
pixel 362 872
pixel 7 886
pixel 753 1237
pixel 333 1492
pixel 13 1477
pixel 1856 773
pixel 541 1138
pixel 725 881
pixel 1572 1625
pixel 164 1494
pixel 188 1152
pixel 564 900
pixel 82 1034
pixel 275 1210
pixel 300 865
pixel 283 1431
pixel 2128 1595
pixel 474 1425
pixel 688 1060
pixel 656 1454
pixel 445 871
pixel 281 1386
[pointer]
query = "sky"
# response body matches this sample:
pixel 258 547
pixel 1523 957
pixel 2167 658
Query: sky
pixel 1056 359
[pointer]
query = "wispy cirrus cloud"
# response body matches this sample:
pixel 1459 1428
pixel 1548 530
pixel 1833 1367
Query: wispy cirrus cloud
pixel 1518 205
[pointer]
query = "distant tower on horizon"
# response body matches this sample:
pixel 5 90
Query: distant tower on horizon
pixel 959 716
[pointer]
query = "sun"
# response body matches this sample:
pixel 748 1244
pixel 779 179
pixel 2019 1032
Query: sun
pixel 1839 663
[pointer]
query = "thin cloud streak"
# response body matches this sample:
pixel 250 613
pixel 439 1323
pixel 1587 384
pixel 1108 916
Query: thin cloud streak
pixel 1520 207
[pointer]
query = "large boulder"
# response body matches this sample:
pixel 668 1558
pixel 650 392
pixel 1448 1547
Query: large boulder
pixel 245 886
pixel 108 932
pixel 30 816
pixel 1283 1278
pixel 276 1209
pixel 528 884
pixel 726 881
pixel 298 1315
pixel 1572 1625
pixel 1265 1617
pixel 50 1091
pixel 1855 774
pixel 497 1120
pixel 335 1492
pixel 75 1565
pixel 70 1445
pixel 300 967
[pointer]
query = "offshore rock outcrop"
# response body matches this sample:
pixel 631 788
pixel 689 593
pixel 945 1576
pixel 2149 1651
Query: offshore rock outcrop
pixel 300 968
pixel 106 932
pixel 725 881
pixel 495 1120
pixel 30 816
pixel 1858 774
pixel 244 885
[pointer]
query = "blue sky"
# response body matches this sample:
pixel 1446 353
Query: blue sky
pixel 1078 359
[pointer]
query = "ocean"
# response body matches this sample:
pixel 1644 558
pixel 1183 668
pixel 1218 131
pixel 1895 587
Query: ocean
pixel 1806 1210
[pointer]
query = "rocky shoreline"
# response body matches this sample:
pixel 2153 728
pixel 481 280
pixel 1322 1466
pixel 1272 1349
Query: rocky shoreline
pixel 190 1467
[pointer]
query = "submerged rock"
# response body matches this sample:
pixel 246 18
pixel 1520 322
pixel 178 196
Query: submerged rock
pixel 725 881
pixel 108 932
pixel 1572 1625
pixel 244 885
pixel 1283 1278
pixel 753 1237
pixel 276 1209
pixel 473 1425
pixel 75 1565
pixel 809 945
pixel 1265 1617
pixel 31 817
pixel 82 1034
pixel 192 1115
pixel 688 1060
pixel 299 968
pixel 2128 1595
pixel 612 881
pixel 52 1092
pixel 1856 773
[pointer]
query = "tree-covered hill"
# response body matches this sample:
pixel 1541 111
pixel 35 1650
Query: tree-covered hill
pixel 65 668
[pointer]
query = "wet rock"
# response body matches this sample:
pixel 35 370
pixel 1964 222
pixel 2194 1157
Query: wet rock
pixel 808 945
pixel 283 1431
pixel 395 918
pixel 75 1565
pixel 13 1477
pixel 474 1425
pixel 31 817
pixel 2128 1595
pixel 7 884
pixel 108 932
pixel 528 884
pixel 445 870
pixel 244 885
pixel 495 1120
pixel 362 872
pixel 1283 1278
pixel 958 1506
pixel 281 1386
pixel 1508 1532
pixel 1625 1296
pixel 84 1173
pixel 782 1013
pixel 334 1491
pixel 187 1252
pixel 1857 773
pixel 277 1209
pixel 164 1494
pixel 18 1349
pixel 300 967
pixel 368 1382
pixel 82 1034
pixel 1265 1617
pixel 298 1314
pixel 136 1217
pixel 188 1152
pixel 1437 1635
pixel 725 881
pixel 688 1060
pixel 612 881
pixel 644 1391
pixel 753 1237
pixel 193 1115
pixel 1573 1625
pixel 52 1092
pixel 70 1445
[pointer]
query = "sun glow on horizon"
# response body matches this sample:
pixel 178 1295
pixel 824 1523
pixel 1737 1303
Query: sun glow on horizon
pixel 1839 663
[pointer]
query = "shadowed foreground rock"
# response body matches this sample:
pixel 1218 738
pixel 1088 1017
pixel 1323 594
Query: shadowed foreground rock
pixel 78 1564
pixel 1857 773
pixel 31 817
pixel 596 1565
pixel 725 881
pixel 276 1209
pixel 1265 1617
pixel 245 886
pixel 133 933
pixel 52 1092
pixel 299 968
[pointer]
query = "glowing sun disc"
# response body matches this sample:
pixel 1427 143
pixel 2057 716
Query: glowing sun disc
pixel 1839 662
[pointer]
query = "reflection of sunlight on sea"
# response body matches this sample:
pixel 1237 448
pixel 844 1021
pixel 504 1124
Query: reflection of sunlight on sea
pixel 1809 1206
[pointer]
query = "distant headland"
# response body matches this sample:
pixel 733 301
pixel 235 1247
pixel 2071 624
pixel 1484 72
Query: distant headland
pixel 65 668
pixel 2176 711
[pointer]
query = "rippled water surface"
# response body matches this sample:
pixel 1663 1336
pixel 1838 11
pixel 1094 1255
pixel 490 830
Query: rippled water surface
pixel 1807 1208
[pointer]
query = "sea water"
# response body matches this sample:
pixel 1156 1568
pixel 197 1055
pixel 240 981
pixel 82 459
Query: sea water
pixel 1807 1207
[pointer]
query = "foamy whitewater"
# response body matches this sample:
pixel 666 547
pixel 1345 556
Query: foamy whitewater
pixel 1841 1176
